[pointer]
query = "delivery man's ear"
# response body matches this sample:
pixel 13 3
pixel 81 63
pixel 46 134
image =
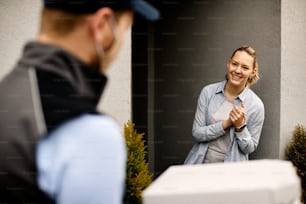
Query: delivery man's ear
pixel 99 25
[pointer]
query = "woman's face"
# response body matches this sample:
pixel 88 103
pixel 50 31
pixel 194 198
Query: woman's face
pixel 240 68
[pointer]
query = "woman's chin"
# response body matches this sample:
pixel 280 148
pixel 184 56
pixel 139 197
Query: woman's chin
pixel 236 82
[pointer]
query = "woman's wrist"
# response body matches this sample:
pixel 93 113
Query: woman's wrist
pixel 240 128
pixel 226 124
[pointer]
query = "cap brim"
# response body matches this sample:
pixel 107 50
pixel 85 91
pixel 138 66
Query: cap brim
pixel 146 10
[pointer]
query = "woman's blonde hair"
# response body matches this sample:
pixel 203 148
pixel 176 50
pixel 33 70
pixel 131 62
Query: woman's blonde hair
pixel 249 50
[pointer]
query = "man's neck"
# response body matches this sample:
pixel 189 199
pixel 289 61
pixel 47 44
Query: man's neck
pixel 79 48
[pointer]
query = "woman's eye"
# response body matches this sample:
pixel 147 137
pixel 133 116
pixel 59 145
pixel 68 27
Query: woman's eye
pixel 245 68
pixel 234 64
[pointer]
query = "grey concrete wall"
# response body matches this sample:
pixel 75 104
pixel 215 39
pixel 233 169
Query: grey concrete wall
pixel 293 73
pixel 18 23
pixel 193 42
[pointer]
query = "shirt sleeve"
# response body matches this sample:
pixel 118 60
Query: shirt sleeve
pixel 202 131
pixel 248 138
pixel 83 161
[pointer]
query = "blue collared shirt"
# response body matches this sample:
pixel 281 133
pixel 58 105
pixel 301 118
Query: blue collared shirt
pixel 83 161
pixel 242 143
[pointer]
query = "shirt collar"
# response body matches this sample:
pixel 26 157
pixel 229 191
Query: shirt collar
pixel 80 88
pixel 244 93
pixel 221 87
pixel 87 80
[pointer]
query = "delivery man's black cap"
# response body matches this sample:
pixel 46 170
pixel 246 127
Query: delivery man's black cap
pixel 90 6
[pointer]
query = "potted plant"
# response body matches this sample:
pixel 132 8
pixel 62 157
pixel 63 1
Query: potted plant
pixel 137 174
pixel 296 153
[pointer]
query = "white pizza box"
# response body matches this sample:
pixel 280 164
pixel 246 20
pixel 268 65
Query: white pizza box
pixel 251 182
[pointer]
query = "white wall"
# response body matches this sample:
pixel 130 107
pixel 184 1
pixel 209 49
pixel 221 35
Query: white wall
pixel 293 68
pixel 116 100
pixel 19 23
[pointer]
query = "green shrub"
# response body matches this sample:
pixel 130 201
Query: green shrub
pixel 137 176
pixel 296 153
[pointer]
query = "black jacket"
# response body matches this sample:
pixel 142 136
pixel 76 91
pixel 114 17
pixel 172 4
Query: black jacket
pixel 47 87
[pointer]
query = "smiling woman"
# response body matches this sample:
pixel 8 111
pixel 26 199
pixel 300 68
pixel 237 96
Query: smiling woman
pixel 242 71
pixel 229 116
pixel 250 58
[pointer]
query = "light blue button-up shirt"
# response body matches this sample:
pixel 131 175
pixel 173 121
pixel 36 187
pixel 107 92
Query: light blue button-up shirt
pixel 242 143
pixel 83 161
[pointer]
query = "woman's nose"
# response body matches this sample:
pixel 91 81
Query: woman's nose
pixel 238 69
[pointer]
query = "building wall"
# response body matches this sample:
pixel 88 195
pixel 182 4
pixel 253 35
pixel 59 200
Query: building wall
pixel 19 21
pixel 191 44
pixel 293 72
pixel 193 41
pixel 18 24
pixel 116 100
